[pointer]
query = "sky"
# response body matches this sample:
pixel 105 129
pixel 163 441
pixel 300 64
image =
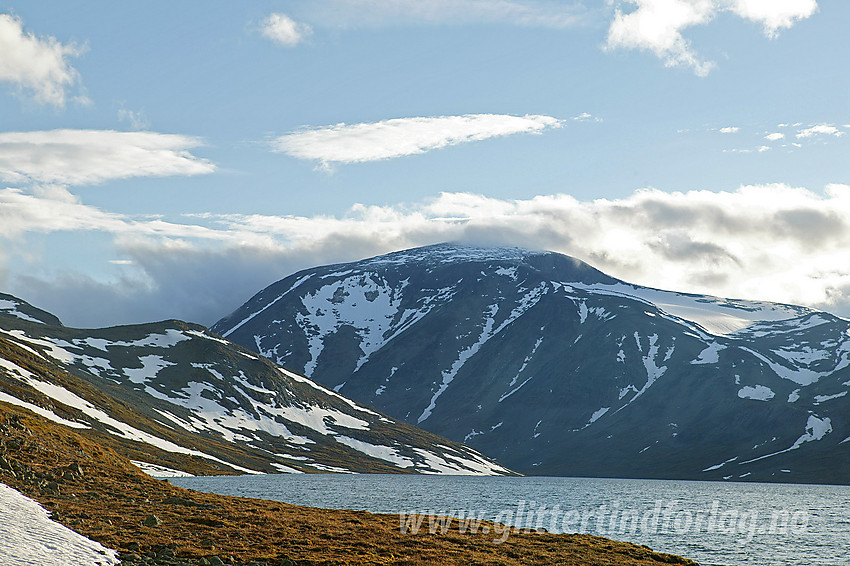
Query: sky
pixel 171 159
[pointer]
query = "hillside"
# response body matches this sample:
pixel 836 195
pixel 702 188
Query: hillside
pixel 554 368
pixel 177 399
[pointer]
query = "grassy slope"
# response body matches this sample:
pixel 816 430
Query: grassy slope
pixel 98 493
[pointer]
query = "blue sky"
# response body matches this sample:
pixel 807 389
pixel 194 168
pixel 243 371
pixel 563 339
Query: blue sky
pixel 170 159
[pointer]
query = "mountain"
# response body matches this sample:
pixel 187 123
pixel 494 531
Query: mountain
pixel 554 368
pixel 174 397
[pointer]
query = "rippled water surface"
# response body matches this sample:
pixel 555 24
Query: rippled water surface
pixel 726 524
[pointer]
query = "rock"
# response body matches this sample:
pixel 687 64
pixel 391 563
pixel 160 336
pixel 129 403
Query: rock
pixel 186 503
pixel 151 521
pixel 215 561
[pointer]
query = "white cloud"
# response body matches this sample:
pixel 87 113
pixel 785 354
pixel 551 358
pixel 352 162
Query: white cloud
pixel 39 65
pixel 357 143
pixel 772 242
pixel 657 25
pixel 85 157
pixel 774 14
pixel 285 31
pixel 763 148
pixel 775 136
pixel 820 130
pixel 533 13
pixel 729 130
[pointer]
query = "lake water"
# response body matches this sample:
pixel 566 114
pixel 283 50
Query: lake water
pixel 728 524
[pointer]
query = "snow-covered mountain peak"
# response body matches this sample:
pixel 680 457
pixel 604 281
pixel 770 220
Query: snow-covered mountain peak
pixel 453 252
pixel 533 357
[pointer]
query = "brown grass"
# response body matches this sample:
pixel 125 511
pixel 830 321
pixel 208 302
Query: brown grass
pixel 111 499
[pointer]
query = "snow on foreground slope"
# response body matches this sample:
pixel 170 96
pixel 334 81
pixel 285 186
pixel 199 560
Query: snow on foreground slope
pixel 28 537
pixel 175 396
pixel 535 357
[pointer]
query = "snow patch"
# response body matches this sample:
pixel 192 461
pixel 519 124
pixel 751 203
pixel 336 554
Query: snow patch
pixel 596 416
pixel 11 308
pixel 206 336
pixel 285 469
pixel 467 465
pixel 378 451
pixel 800 376
pixel 823 398
pixel 151 366
pixel 157 471
pixel 364 302
pixel 720 465
pixel 816 429
pixel 709 355
pixel 757 393
pixel 50 415
pixel 28 537
pixel 507 272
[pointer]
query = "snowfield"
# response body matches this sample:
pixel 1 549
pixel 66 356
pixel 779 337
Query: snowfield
pixel 28 537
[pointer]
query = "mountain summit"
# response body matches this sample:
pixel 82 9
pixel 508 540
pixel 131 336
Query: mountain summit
pixel 552 367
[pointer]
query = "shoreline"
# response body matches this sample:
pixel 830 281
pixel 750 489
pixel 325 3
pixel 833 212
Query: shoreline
pixel 101 495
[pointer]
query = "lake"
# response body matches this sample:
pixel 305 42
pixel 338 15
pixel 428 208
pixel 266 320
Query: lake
pixel 724 524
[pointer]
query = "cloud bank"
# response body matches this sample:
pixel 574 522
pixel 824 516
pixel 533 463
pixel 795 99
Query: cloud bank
pixel 39 66
pixel 87 157
pixel 658 25
pixel 773 242
pixel 358 143
pixel 284 31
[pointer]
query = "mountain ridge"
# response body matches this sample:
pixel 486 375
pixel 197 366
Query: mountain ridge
pixel 177 398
